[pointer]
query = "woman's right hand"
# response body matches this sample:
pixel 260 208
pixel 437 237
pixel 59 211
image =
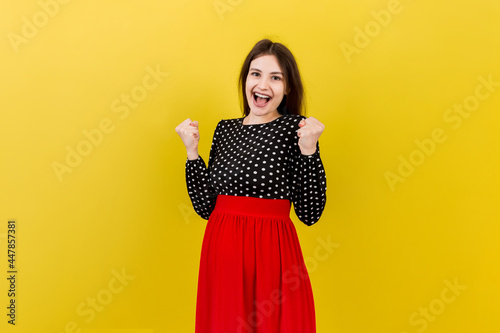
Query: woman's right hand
pixel 188 131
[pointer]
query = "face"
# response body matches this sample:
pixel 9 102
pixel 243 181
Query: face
pixel 265 78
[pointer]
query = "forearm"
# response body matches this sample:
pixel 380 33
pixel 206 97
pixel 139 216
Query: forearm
pixel 310 189
pixel 198 186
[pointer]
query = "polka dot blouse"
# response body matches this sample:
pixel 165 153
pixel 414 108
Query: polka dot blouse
pixel 259 160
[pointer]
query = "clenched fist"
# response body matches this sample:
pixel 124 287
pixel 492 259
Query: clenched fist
pixel 190 135
pixel 309 133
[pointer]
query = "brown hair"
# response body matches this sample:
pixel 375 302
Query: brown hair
pixel 293 102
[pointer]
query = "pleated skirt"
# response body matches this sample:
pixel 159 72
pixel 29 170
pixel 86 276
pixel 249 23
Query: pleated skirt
pixel 252 276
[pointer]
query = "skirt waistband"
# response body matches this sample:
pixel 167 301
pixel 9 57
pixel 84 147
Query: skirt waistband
pixel 253 206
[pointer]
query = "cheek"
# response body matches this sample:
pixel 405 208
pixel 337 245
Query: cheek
pixel 279 89
pixel 250 83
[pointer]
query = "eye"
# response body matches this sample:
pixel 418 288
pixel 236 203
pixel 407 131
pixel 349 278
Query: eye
pixel 254 73
pixel 277 78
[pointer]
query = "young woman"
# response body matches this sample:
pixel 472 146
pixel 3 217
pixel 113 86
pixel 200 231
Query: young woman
pixel 252 276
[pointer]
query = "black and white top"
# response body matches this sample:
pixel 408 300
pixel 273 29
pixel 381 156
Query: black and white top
pixel 259 160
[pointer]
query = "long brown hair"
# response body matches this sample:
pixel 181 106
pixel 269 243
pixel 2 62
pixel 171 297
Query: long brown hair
pixel 293 102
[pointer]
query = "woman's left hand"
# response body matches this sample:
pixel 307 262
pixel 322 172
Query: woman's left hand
pixel 309 133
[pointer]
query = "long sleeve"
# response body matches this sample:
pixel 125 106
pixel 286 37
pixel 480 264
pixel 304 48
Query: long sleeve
pixel 308 186
pixel 199 188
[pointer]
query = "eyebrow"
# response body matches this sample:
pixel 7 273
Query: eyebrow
pixel 258 70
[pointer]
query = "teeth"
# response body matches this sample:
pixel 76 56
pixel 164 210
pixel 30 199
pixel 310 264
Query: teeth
pixel 262 96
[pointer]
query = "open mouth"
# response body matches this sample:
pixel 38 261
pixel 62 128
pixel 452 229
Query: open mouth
pixel 261 100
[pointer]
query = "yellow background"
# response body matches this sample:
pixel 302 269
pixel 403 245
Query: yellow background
pixel 125 205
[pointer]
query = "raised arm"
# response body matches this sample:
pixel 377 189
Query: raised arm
pixel 308 174
pixel 197 173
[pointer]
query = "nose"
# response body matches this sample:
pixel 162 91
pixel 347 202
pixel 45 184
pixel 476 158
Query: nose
pixel 263 83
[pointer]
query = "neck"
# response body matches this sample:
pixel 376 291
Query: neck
pixel 255 119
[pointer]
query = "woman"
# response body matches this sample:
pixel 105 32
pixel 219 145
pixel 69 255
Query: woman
pixel 252 274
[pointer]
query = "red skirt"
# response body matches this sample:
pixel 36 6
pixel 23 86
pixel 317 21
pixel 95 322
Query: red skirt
pixel 252 276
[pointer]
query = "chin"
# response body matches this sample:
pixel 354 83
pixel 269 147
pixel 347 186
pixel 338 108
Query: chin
pixel 260 112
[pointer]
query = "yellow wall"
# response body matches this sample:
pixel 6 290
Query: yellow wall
pixel 410 150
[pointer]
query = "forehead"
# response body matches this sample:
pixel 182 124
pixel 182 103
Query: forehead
pixel 266 63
